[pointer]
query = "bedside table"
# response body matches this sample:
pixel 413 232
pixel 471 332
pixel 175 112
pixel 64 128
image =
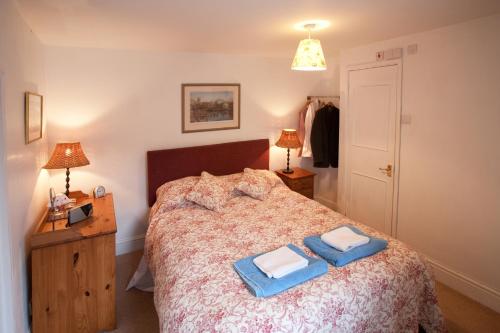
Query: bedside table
pixel 300 181
pixel 73 272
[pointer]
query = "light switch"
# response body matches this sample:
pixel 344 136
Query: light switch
pixel 393 54
pixel 397 53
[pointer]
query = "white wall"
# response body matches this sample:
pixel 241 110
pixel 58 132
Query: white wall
pixel 6 310
pixel 120 104
pixel 24 191
pixel 449 205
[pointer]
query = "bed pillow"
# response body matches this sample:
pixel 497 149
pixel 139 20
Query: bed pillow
pixel 254 185
pixel 270 176
pixel 209 192
pixel 230 181
pixel 172 194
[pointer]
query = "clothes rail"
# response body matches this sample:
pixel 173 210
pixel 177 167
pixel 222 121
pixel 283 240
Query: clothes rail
pixel 322 97
pixel 323 100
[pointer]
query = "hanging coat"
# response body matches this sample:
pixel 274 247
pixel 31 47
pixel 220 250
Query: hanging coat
pixel 325 137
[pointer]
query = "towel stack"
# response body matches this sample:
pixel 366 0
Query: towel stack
pixel 280 262
pixel 340 246
pixel 344 239
pixel 261 285
pixel 273 272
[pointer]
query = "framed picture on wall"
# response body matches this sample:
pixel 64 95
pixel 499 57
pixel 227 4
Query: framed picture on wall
pixel 33 116
pixel 210 107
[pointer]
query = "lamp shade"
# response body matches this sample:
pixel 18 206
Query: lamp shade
pixel 67 155
pixel 288 139
pixel 309 56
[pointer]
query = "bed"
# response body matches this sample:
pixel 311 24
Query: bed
pixel 190 252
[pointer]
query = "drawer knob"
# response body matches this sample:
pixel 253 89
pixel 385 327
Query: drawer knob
pixel 87 293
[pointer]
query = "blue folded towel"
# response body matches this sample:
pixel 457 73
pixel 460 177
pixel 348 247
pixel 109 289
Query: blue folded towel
pixel 260 285
pixel 339 258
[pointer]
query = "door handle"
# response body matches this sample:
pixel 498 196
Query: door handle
pixel 387 171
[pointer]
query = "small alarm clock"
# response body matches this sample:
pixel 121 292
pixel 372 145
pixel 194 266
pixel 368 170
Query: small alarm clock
pixel 99 191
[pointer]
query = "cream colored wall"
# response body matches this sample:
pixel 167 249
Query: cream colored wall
pixel 6 305
pixel 25 187
pixel 120 104
pixel 449 204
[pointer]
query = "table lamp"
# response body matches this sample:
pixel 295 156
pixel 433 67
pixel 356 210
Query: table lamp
pixel 65 156
pixel 288 139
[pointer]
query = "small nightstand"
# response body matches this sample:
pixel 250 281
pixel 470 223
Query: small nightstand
pixel 300 181
pixel 73 272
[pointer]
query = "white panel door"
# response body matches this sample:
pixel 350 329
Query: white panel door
pixel 373 116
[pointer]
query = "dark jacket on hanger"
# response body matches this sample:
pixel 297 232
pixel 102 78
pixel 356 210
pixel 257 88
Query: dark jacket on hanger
pixel 325 137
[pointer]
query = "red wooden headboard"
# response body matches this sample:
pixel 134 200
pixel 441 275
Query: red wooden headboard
pixel 220 159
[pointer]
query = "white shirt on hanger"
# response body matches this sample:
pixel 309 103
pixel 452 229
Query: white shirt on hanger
pixel 311 111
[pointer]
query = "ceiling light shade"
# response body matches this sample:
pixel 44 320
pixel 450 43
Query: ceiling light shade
pixel 309 56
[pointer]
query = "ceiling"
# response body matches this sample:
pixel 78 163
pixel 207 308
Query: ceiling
pixel 263 27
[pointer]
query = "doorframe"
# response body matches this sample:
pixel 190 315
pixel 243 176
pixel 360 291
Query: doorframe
pixel 6 296
pixel 346 139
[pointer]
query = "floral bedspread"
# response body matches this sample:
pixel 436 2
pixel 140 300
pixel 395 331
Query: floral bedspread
pixel 191 250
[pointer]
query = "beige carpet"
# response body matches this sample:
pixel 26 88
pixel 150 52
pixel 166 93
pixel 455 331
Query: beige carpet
pixel 463 315
pixel 136 312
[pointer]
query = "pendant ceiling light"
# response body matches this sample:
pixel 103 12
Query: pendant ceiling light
pixel 309 55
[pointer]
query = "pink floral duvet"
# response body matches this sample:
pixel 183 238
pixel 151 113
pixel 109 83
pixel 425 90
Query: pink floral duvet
pixel 190 251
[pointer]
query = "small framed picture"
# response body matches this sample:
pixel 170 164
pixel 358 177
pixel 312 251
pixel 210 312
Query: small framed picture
pixel 210 107
pixel 33 115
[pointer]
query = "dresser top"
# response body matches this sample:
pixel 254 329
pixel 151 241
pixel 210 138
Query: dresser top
pixel 297 173
pixel 102 222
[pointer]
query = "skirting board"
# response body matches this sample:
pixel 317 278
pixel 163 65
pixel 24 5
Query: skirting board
pixel 328 203
pixel 131 244
pixel 473 289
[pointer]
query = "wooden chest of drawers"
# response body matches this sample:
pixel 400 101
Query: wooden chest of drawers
pixel 300 181
pixel 73 273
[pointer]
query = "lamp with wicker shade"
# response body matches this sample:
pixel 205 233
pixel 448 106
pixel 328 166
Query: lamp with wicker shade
pixel 65 156
pixel 289 140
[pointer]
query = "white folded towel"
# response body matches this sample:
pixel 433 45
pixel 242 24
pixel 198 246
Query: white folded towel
pixel 344 239
pixel 280 262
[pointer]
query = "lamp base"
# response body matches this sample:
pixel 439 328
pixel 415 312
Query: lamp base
pixel 288 171
pixel 77 195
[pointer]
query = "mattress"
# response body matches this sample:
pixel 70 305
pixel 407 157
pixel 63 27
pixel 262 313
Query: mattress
pixel 190 252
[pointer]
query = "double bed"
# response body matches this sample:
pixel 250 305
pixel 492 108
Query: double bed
pixel 190 251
